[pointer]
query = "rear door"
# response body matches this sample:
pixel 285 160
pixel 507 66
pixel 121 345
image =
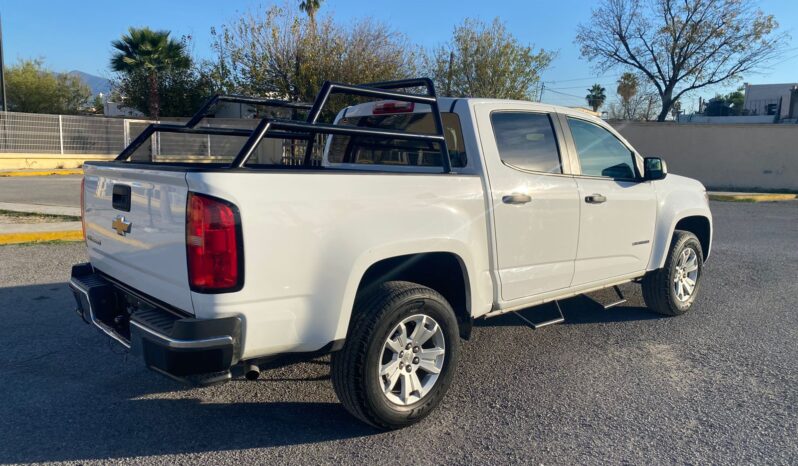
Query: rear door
pixel 136 228
pixel 618 208
pixel 535 206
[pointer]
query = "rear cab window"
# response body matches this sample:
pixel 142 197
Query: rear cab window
pixel 365 150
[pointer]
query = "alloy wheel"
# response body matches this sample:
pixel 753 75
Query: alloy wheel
pixel 412 359
pixel 685 274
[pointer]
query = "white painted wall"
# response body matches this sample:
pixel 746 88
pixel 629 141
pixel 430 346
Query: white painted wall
pixel 752 156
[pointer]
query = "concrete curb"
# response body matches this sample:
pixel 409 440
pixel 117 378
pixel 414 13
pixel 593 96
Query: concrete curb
pixel 6 228
pixel 40 209
pixel 752 197
pixel 41 236
pixel 36 232
pixel 77 171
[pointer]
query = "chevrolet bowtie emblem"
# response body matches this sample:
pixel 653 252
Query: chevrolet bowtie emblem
pixel 120 225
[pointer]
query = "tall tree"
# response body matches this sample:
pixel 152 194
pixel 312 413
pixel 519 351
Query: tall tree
pixel 681 45
pixel 596 96
pixel 627 89
pixel 98 104
pixel 279 53
pixel 150 53
pixel 641 106
pixel 180 92
pixel 34 89
pixel 310 7
pixel 737 100
pixel 486 60
pixel 730 104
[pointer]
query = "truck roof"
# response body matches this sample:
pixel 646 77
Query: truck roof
pixel 446 105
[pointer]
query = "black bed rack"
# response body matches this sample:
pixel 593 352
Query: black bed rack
pixel 307 129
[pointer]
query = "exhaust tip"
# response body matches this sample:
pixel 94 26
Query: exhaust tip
pixel 253 372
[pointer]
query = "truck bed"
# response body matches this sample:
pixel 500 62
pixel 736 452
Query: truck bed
pixel 308 237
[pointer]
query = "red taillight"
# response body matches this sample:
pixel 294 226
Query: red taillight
pixel 385 108
pixel 213 243
pixel 83 206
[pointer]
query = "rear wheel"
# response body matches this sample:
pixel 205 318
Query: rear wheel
pixel 672 289
pixel 399 357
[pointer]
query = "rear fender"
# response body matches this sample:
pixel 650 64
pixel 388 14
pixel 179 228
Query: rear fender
pixel 373 256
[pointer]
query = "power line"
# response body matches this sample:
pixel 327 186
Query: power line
pixel 565 94
pixel 783 61
pixel 583 79
pixel 608 83
pixel 612 78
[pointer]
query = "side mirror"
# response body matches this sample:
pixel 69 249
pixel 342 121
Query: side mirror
pixel 654 168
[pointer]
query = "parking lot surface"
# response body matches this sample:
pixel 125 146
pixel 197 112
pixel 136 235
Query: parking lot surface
pixel 718 385
pixel 56 190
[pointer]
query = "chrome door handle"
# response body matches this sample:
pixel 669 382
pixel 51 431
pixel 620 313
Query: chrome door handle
pixel 516 198
pixel 595 199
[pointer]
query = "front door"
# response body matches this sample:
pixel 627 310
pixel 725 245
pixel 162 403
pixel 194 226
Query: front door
pixel 535 206
pixel 618 209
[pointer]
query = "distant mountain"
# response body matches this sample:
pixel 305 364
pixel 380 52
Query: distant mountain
pixel 97 84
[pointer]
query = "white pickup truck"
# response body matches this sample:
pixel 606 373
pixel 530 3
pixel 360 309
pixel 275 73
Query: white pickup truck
pixel 421 215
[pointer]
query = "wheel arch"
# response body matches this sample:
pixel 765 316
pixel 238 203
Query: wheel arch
pixel 700 226
pixel 696 221
pixel 443 271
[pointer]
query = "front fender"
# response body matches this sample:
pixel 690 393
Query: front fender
pixel 677 198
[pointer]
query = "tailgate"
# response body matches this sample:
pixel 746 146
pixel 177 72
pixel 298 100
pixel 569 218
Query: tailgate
pixel 136 229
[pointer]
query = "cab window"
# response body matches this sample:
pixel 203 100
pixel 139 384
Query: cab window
pixel 526 141
pixel 600 152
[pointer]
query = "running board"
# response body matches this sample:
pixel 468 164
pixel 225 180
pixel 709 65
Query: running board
pixel 621 298
pixel 537 325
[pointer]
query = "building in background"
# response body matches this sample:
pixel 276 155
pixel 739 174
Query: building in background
pixel 116 109
pixel 764 103
pixel 771 99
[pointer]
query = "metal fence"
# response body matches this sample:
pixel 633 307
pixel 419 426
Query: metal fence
pixel 34 133
pixel 60 134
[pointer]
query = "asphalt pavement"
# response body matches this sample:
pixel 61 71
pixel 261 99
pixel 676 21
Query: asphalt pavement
pixel 718 385
pixel 56 190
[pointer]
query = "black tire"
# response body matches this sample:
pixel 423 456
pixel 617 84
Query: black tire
pixel 354 368
pixel 658 286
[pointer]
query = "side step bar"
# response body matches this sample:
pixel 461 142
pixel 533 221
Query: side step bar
pixel 621 298
pixel 546 323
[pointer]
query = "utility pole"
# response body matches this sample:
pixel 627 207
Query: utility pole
pixel 3 106
pixel 542 88
pixel 449 75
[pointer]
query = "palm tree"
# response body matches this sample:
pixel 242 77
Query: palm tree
pixel 596 96
pixel 310 7
pixel 627 89
pixel 143 50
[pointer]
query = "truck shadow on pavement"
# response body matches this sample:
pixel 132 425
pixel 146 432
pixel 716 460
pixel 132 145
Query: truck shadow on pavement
pixel 69 394
pixel 582 309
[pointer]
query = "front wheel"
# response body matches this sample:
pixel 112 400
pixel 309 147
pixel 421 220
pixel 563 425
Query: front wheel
pixel 672 289
pixel 399 357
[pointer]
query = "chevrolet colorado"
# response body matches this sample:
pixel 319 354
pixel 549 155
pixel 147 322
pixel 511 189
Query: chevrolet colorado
pixel 412 216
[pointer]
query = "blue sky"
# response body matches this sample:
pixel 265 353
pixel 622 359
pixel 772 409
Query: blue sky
pixel 76 35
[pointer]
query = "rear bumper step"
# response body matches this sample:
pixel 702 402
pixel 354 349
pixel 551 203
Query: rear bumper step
pixel 193 351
